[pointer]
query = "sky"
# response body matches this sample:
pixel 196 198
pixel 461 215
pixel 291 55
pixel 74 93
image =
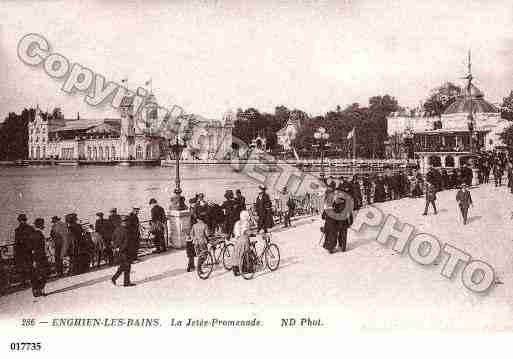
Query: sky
pixel 211 56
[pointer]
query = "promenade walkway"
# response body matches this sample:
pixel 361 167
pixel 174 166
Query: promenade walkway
pixel 368 287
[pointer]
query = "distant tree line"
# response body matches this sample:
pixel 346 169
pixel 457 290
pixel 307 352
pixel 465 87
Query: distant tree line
pixel 370 123
pixel 14 133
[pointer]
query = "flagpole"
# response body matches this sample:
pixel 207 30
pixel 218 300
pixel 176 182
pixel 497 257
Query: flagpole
pixel 354 150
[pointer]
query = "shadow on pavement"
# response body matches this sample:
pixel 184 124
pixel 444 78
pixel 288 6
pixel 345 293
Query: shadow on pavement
pixel 358 242
pixel 82 285
pixel 284 263
pixel 160 276
pixel 473 219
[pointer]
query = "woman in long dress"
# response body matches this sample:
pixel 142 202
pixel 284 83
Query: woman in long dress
pixel 241 231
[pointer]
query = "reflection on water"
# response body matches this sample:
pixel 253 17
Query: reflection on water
pixel 56 190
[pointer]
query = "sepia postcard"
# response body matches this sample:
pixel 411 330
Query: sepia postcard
pixel 250 178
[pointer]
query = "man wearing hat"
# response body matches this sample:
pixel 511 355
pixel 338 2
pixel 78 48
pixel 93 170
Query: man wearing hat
pixel 133 232
pixel 123 249
pixel 464 200
pixel 158 225
pixel 430 197
pixel 22 240
pixel 38 259
pixel 264 209
pixel 114 219
pixel 229 207
pixel 59 236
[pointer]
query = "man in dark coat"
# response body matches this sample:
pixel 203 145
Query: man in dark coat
pixel 158 225
pixel 430 197
pixel 105 229
pixel 379 190
pixel 356 192
pixel 22 249
pixel 124 250
pixel 39 260
pixel 230 213
pixel 134 233
pixel 464 200
pixel 337 219
pixel 241 199
pixel 497 175
pixel 264 209
pixel 240 203
pixel 76 239
pixel 114 218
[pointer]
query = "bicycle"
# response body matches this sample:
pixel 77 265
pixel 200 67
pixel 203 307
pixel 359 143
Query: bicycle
pixel 208 258
pixel 251 260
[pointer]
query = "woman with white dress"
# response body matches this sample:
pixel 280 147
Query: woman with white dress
pixel 241 232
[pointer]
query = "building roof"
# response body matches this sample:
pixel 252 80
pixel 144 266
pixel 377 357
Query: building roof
pixel 479 104
pixel 85 124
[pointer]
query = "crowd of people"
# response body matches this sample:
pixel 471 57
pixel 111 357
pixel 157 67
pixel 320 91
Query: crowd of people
pixel 118 236
pixel 82 245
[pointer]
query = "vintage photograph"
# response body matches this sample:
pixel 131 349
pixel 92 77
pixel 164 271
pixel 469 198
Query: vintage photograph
pixel 287 167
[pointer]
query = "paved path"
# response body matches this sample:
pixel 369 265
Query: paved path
pixel 369 286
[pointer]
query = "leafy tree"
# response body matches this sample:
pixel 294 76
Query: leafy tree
pixel 507 136
pixel 441 98
pixel 14 135
pixel 507 107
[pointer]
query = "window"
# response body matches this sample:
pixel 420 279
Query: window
pixel 107 157
pixel 139 152
pixel 100 153
pixel 113 152
pixel 95 153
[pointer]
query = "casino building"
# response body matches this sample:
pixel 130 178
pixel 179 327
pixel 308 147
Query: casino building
pixel 127 138
pixel 445 142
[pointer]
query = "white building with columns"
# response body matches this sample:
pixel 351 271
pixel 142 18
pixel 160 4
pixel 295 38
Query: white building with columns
pixel 131 137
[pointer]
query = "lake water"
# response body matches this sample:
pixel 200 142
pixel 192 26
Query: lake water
pixel 46 191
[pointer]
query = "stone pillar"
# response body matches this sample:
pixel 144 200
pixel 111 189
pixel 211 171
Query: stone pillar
pixel 442 161
pixel 178 228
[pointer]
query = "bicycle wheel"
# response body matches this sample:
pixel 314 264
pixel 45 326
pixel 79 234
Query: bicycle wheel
pixel 272 257
pixel 207 265
pixel 248 266
pixel 228 256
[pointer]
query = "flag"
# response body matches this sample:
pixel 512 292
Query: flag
pixel 351 134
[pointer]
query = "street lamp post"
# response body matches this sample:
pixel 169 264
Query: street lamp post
pixel 321 136
pixel 177 201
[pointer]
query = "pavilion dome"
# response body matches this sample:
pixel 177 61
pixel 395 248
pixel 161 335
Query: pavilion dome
pixel 479 104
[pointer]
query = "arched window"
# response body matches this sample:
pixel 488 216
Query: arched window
pixel 435 161
pixel 449 161
pixel 138 152
pixel 100 153
pixel 37 152
pixel 95 153
pixel 32 153
pixel 88 152
pixel 44 152
pixel 113 152
pixel 107 154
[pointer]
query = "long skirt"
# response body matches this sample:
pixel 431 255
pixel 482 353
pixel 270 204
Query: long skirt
pixel 241 244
